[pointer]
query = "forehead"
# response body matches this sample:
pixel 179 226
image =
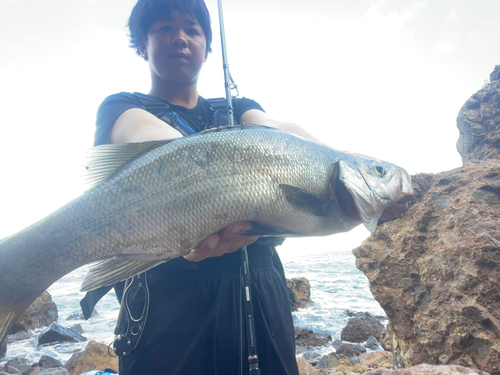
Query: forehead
pixel 175 16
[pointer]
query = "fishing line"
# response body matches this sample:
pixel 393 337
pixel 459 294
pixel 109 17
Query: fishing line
pixel 246 295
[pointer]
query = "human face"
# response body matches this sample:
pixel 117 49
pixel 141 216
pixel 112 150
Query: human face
pixel 176 49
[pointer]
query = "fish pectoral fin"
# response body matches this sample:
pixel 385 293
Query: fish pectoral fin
pixel 104 161
pixel 113 270
pixel 261 230
pixel 306 201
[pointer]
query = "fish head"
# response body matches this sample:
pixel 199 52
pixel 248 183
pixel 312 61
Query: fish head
pixel 374 185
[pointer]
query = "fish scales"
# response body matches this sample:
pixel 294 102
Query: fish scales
pixel 164 202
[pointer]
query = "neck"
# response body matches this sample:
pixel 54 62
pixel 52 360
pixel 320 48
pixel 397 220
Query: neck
pixel 185 95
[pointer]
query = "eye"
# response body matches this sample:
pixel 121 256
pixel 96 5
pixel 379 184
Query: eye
pixel 166 28
pixel 379 170
pixel 193 32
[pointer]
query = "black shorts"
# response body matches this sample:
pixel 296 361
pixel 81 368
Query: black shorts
pixel 194 321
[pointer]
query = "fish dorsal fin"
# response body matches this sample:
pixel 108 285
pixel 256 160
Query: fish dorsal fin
pixel 114 270
pixel 103 161
pixel 242 126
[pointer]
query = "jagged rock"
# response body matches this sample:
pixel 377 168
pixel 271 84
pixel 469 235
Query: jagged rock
pixel 436 270
pixel 328 361
pixel 299 292
pixel 349 350
pixel 495 75
pixel 386 341
pixel 429 369
pixel 359 329
pixel 41 313
pixel 372 343
pixel 77 327
pixel 55 371
pixel 20 336
pixel 310 356
pixel 17 366
pixel 376 359
pixel 47 362
pixel 306 369
pixel 306 337
pixel 95 356
pixel 57 333
pixel 479 124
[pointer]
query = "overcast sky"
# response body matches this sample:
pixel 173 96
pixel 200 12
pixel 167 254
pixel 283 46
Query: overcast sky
pixel 382 78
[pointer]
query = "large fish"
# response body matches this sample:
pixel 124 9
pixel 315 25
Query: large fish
pixel 155 201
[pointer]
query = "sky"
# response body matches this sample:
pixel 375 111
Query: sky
pixel 381 78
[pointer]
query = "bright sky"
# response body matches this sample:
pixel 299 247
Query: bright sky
pixel 382 78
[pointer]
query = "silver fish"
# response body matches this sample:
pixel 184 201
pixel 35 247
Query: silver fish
pixel 155 201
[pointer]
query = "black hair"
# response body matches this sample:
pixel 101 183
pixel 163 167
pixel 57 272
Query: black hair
pixel 147 12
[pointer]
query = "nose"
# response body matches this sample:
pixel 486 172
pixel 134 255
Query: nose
pixel 179 39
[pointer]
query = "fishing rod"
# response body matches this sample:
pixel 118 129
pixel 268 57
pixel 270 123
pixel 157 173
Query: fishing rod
pixel 253 358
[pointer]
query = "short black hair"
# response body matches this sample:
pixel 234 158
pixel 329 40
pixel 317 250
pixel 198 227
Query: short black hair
pixel 147 12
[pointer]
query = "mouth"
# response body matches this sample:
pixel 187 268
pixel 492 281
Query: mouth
pixel 346 201
pixel 179 56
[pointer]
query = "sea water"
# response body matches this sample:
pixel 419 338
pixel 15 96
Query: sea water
pixel 328 263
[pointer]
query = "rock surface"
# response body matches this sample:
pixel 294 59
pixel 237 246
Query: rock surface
pixel 41 313
pixel 57 333
pixel 361 327
pixel 429 369
pixel 436 270
pixel 479 123
pixel 95 356
pixel 299 292
pixel 307 338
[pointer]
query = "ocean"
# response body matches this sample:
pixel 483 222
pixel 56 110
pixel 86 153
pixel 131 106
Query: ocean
pixel 328 263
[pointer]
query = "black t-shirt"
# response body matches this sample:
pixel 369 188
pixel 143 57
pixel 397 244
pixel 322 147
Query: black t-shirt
pixel 200 116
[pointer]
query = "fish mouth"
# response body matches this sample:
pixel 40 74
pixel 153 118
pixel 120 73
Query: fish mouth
pixel 345 201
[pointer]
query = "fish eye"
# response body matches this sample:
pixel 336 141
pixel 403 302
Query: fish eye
pixel 379 169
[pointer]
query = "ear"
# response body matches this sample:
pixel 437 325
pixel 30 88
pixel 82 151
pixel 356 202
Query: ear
pixel 206 56
pixel 143 48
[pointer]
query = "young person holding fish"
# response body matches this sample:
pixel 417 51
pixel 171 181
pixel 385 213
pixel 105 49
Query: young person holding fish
pixel 193 325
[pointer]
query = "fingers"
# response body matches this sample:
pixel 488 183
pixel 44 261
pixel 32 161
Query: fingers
pixel 226 241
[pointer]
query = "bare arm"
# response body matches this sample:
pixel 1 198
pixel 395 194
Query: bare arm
pixel 254 116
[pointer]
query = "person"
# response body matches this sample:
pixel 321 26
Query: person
pixel 194 320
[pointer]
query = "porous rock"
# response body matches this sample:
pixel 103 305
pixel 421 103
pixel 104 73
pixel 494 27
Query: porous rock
pixel 478 123
pixel 57 333
pixel 306 369
pixel 349 350
pixel 95 356
pixel 55 371
pixel 41 313
pixel 376 359
pixel 436 270
pixel 299 292
pixel 429 369
pixel 307 338
pixel 361 327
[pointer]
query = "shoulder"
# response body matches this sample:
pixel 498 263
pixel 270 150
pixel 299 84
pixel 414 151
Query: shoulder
pixel 110 109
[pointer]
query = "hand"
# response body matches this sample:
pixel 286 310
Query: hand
pixel 227 240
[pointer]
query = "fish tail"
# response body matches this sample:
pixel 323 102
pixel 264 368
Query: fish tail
pixel 8 317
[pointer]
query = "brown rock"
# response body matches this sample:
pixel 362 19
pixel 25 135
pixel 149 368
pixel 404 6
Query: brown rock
pixel 299 292
pixel 306 337
pixel 429 369
pixel 95 356
pixel 479 124
pixel 360 329
pixel 306 369
pixel 376 359
pixel 436 270
pixel 41 313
